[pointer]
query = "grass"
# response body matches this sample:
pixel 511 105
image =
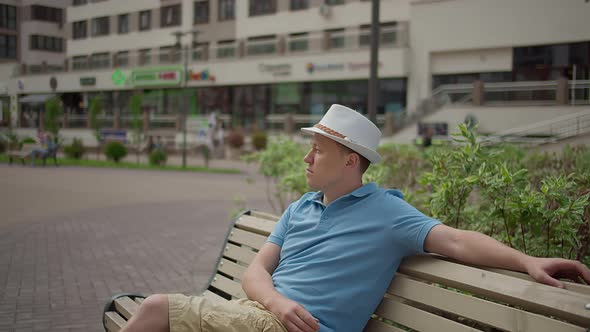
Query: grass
pixel 130 165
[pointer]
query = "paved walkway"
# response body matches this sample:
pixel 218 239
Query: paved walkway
pixel 71 237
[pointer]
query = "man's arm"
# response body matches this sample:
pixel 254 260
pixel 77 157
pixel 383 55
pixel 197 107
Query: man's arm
pixel 258 285
pixel 479 249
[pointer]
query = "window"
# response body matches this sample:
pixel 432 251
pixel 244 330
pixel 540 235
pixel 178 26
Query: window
pixel 262 45
pixel 124 23
pixel 334 2
pixel 388 32
pixel 79 2
pixel 79 62
pixel 170 16
pixel 7 47
pixel 122 59
pixel 8 17
pixel 201 12
pixel 100 26
pixel 262 7
pixel 145 20
pixel 298 42
pixel 226 49
pixel 200 51
pixel 43 13
pixel 145 56
pixel 99 60
pixel 169 54
pixel 335 38
pixel 80 29
pixel 299 4
pixel 46 43
pixel 227 10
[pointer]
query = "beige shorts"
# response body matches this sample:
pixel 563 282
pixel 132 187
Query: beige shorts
pixel 196 314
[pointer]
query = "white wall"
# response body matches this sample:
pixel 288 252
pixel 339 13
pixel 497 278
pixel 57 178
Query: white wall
pixel 31 57
pixel 456 25
pixel 472 61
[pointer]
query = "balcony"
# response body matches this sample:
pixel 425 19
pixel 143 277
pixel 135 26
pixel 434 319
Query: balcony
pixel 318 42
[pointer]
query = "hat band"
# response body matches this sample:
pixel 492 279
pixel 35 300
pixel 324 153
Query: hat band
pixel 330 131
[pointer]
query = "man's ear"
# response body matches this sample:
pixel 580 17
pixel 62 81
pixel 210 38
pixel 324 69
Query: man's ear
pixel 352 160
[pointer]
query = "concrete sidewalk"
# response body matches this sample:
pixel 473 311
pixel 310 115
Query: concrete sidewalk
pixel 71 237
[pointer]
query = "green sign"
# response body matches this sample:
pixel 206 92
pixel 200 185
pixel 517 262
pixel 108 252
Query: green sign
pixel 163 76
pixel 118 77
pixel 87 80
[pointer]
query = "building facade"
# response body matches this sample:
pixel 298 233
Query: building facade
pixel 256 61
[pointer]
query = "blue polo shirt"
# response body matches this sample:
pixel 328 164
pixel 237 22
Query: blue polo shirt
pixel 338 260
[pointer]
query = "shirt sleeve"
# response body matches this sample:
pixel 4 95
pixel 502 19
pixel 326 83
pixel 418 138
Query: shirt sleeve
pixel 410 227
pixel 278 234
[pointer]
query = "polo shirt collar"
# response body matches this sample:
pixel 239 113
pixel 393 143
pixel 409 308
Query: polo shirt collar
pixel 363 191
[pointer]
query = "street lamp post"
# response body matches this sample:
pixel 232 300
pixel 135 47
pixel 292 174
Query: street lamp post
pixel 373 77
pixel 185 54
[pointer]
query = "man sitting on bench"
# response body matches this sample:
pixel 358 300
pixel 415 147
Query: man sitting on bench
pixel 334 252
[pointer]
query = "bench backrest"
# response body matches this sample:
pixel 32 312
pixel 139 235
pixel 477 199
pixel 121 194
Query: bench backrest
pixel 430 293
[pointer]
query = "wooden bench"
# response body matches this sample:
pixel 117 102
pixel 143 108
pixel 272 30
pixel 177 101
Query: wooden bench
pixel 429 293
pixel 22 154
pixel 27 149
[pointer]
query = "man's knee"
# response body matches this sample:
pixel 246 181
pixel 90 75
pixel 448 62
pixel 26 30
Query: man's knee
pixel 155 305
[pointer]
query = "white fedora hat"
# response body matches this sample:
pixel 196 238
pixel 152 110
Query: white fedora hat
pixel 351 129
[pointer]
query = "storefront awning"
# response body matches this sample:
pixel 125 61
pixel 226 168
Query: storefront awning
pixel 35 99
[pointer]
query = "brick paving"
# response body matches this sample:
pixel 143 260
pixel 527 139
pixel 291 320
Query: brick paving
pixel 58 268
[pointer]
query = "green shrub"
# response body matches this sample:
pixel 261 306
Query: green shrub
pixel 158 157
pixel 259 140
pixel 235 139
pixel 283 167
pixel 75 150
pixel 28 140
pixel 115 151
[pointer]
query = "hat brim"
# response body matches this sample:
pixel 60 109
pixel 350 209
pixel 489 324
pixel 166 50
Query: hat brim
pixel 371 155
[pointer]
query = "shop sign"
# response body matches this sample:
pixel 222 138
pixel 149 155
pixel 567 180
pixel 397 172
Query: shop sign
pixel 87 81
pixel 200 76
pixel 157 76
pixel 118 77
pixel 283 69
pixel 361 65
pixel 324 67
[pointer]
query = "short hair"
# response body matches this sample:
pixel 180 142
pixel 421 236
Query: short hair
pixel 364 162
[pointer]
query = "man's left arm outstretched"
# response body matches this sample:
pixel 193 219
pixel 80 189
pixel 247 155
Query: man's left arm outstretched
pixel 475 248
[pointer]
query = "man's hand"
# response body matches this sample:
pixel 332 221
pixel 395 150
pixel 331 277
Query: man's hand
pixel 293 315
pixel 549 270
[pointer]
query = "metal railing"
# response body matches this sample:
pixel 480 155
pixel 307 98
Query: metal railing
pixel 548 131
pixel 310 43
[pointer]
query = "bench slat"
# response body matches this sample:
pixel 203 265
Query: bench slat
pixel 229 286
pixel 254 224
pixel 414 318
pixel 231 268
pixel 571 286
pixel 493 314
pixel 213 297
pixel 264 215
pixel 240 236
pixel 241 254
pixel 114 322
pixel 374 325
pixel 139 300
pixel 126 307
pixel 529 295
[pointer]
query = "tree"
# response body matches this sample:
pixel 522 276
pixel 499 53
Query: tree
pixel 94 109
pixel 136 122
pixel 53 114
